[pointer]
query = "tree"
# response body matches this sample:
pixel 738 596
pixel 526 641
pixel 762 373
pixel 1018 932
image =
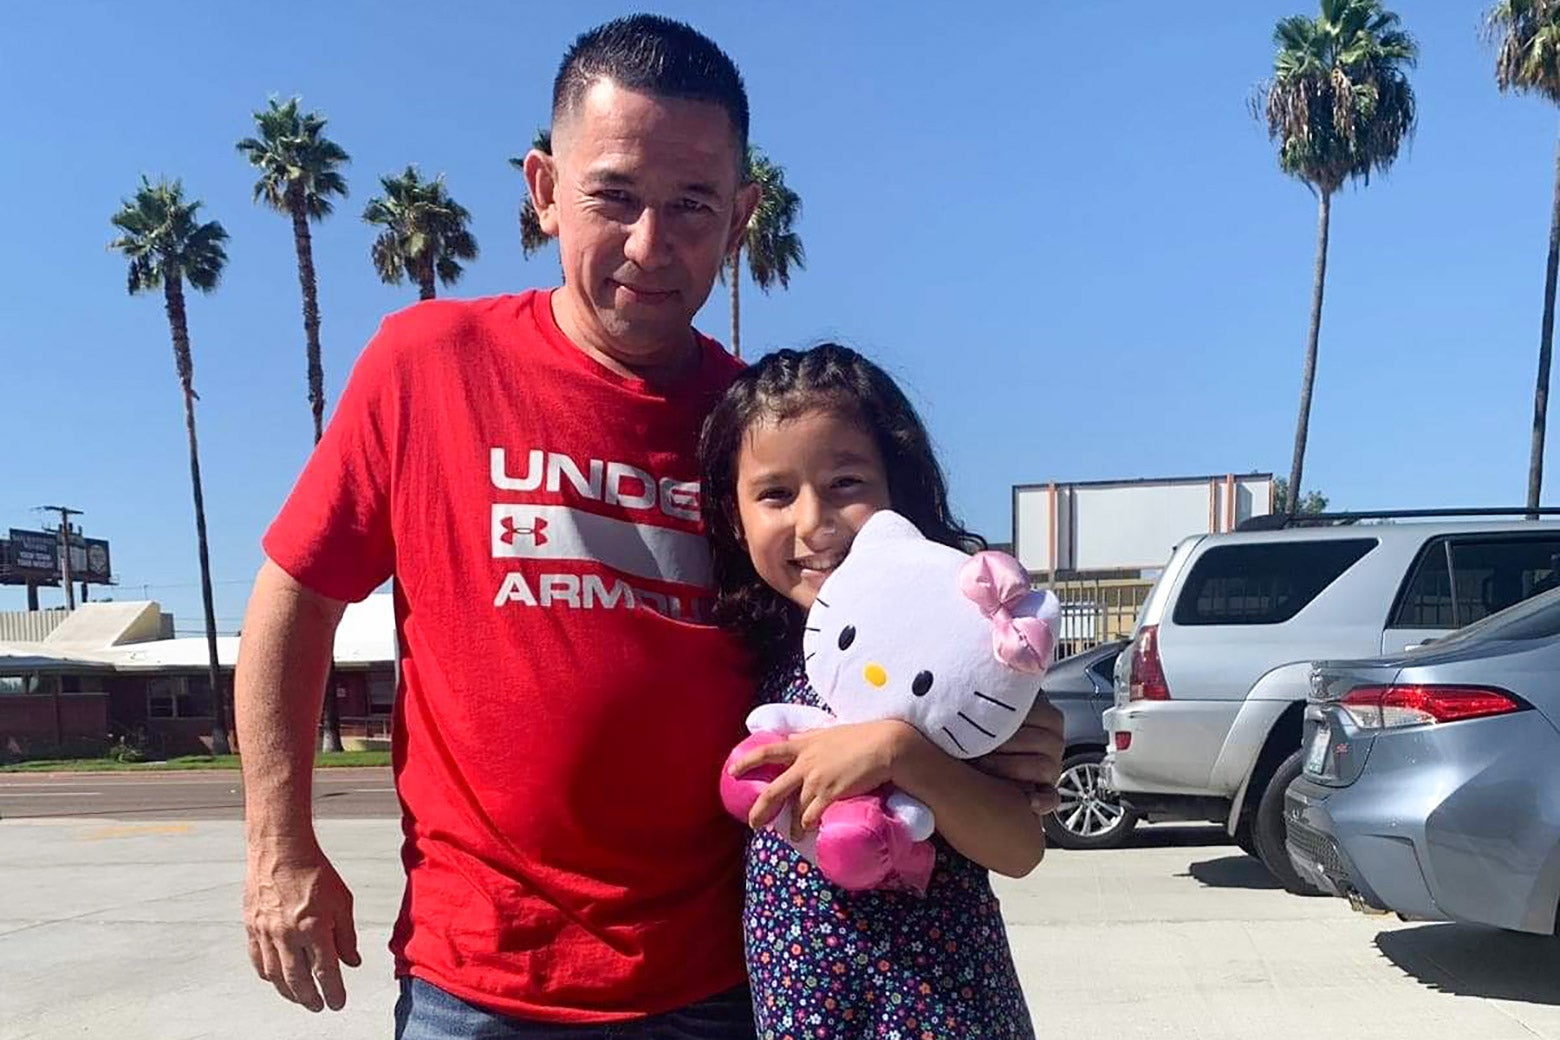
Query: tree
pixel 167 246
pixel 425 234
pixel 532 237
pixel 299 173
pixel 1311 502
pixel 1527 33
pixel 771 245
pixel 1339 107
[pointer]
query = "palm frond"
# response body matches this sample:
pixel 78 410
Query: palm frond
pixel 423 225
pixel 771 245
pixel 164 238
pixel 298 164
pixel 1339 105
pixel 1527 37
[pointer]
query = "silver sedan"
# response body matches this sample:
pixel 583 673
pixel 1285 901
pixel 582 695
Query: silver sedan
pixel 1432 778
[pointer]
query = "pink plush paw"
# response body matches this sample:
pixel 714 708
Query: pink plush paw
pixel 738 793
pixel 861 847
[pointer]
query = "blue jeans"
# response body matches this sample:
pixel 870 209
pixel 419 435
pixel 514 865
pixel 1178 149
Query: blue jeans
pixel 426 1012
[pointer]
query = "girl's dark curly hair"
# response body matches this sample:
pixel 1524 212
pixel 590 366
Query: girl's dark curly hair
pixel 786 385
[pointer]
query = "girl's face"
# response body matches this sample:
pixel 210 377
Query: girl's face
pixel 804 488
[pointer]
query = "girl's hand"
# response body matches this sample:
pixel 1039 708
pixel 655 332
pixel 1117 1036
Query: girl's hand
pixel 825 765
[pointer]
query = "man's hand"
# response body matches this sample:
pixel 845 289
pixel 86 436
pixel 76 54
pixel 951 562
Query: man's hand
pixel 824 766
pixel 298 913
pixel 1033 757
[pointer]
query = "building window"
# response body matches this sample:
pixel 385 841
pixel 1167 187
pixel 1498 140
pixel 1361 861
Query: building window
pixel 178 697
pixel 381 693
pixel 33 683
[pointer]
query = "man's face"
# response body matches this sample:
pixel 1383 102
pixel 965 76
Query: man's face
pixel 643 195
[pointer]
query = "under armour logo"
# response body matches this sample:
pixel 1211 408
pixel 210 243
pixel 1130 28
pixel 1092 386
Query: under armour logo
pixel 537 532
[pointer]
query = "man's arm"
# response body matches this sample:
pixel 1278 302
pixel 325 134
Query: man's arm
pixel 297 910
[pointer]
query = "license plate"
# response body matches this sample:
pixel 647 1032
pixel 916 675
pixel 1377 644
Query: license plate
pixel 1316 754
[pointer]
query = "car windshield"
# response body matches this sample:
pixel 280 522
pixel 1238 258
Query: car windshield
pixel 1535 618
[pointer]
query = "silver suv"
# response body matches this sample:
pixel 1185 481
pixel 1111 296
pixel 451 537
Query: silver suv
pixel 1210 695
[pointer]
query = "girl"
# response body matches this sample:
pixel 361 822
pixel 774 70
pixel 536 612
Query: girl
pixel 802 449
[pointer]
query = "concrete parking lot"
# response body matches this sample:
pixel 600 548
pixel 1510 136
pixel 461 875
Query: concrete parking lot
pixel 128 928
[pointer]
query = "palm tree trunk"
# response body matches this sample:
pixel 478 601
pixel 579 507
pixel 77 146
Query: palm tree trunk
pixel 304 242
pixel 1546 340
pixel 425 286
pixel 173 295
pixel 330 720
pixel 736 302
pixel 1308 381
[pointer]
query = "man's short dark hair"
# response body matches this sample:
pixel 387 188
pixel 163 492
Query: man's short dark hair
pixel 652 55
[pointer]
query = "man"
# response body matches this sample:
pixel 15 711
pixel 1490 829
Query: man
pixel 524 468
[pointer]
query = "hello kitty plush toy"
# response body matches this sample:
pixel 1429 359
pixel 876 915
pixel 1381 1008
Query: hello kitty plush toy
pixel 908 629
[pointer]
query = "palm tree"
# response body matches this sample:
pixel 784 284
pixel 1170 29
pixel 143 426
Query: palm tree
pixel 299 173
pixel 532 237
pixel 1528 60
pixel 771 244
pixel 1339 107
pixel 425 232
pixel 166 247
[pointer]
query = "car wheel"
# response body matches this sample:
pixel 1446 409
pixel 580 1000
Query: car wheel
pixel 1243 837
pixel 1091 815
pixel 1267 830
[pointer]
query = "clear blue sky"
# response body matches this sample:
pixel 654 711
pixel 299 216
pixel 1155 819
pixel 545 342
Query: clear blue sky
pixel 1058 224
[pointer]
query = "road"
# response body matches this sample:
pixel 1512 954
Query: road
pixel 192 795
pixel 131 929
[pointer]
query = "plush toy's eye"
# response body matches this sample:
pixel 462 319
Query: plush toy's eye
pixel 847 636
pixel 922 684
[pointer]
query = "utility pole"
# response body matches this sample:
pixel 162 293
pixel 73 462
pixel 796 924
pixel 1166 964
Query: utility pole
pixel 65 514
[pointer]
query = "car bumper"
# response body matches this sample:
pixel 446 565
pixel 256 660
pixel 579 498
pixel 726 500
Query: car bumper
pixel 1171 747
pixel 1451 822
pixel 1319 857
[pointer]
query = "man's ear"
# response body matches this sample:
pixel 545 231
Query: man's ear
pixel 541 177
pixel 742 213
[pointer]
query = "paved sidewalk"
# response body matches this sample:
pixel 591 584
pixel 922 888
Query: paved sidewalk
pixel 131 931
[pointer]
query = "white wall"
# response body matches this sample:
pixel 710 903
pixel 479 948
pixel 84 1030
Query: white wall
pixel 1135 527
pixel 1130 525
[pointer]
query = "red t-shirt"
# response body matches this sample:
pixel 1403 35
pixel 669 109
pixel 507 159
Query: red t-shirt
pixel 563 715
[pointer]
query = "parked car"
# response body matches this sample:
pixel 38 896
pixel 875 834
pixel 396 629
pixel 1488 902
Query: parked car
pixel 1091 816
pixel 1210 697
pixel 1432 779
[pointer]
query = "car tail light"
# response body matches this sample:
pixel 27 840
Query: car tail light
pixel 1388 707
pixel 1123 739
pixel 1148 673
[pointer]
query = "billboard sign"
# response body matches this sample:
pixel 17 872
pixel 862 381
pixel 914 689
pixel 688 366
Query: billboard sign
pixel 1127 526
pixel 33 558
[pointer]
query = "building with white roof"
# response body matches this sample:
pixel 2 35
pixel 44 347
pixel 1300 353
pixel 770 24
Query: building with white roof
pixel 108 670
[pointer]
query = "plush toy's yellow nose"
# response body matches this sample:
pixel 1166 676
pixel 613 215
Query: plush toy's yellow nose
pixel 875 674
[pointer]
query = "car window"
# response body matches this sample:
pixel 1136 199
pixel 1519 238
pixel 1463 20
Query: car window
pixel 1105 668
pixel 1461 580
pixel 1536 618
pixel 1491 575
pixel 1427 599
pixel 1263 583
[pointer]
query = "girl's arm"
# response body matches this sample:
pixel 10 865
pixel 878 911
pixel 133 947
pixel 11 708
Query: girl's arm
pixel 985 818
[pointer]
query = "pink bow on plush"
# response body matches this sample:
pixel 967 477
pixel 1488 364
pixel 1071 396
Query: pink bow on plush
pixel 999 586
